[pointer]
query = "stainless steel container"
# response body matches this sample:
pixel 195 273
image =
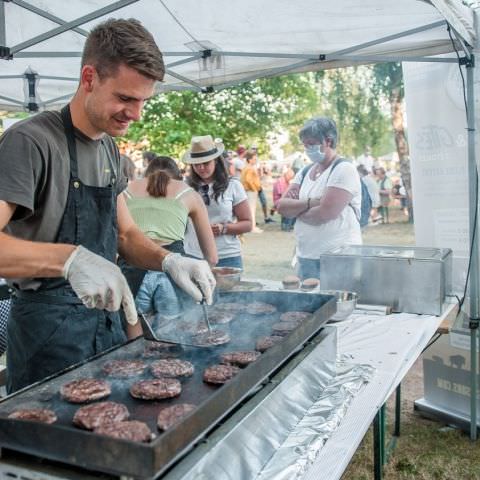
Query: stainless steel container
pixel 409 279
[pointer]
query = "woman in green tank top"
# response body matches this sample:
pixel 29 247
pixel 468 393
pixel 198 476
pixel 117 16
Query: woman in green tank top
pixel 161 204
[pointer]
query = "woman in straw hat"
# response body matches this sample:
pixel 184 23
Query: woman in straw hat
pixel 224 197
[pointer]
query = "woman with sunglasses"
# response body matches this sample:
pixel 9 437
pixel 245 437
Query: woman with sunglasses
pixel 224 197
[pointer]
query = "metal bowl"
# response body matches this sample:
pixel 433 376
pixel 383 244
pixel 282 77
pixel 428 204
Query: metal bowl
pixel 227 277
pixel 346 303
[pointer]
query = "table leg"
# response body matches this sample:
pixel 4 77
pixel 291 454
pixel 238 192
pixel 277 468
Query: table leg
pixel 398 409
pixel 377 446
pixel 381 453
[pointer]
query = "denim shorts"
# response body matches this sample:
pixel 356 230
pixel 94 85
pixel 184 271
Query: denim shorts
pixel 308 268
pixel 231 262
pixel 158 294
pixel 262 198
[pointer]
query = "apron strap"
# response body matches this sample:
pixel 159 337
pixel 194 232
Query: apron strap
pixel 70 134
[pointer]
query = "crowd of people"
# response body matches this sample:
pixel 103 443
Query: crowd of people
pixel 382 190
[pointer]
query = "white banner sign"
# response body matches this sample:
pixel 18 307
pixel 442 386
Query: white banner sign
pixel 437 138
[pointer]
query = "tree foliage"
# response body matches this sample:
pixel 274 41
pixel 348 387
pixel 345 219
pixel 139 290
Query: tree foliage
pixel 241 114
pixel 248 112
pixel 389 82
pixel 360 112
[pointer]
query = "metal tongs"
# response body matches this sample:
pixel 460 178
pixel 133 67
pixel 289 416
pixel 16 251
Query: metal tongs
pixel 203 303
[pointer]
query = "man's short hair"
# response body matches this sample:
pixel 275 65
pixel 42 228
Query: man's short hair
pixel 320 128
pixel 119 41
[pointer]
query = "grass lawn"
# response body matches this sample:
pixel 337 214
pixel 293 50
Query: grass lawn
pixel 426 450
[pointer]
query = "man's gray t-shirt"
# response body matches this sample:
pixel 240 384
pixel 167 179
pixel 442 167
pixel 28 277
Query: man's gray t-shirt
pixel 35 174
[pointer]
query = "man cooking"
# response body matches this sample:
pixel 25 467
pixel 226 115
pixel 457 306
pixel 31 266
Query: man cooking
pixel 63 220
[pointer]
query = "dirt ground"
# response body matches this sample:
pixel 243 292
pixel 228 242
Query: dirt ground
pixel 426 448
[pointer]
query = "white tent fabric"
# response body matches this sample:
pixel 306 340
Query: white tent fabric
pixel 41 40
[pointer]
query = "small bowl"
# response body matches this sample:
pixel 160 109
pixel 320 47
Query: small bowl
pixel 346 303
pixel 227 277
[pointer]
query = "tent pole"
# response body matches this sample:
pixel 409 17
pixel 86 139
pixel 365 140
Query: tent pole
pixel 3 35
pixel 12 100
pixel 474 273
pixel 340 53
pixel 48 16
pixel 71 25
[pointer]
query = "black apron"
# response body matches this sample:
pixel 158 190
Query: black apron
pixel 50 329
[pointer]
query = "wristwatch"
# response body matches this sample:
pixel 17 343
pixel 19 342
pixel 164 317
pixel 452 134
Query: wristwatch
pixel 224 228
pixel 308 203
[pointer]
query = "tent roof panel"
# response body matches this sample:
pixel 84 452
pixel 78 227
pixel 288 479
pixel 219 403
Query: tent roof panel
pixel 314 27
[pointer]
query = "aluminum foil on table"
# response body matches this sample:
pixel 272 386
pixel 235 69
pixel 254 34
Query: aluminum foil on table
pixel 284 432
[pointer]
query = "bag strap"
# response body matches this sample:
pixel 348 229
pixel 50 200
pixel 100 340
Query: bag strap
pixel 304 172
pixel 334 164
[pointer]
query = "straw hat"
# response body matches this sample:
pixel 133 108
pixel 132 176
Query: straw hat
pixel 203 149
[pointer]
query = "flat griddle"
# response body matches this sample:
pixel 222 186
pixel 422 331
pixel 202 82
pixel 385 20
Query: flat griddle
pixel 65 443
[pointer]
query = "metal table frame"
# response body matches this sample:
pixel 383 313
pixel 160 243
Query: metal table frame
pixel 381 450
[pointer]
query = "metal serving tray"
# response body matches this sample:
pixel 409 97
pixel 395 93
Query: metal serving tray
pixel 65 443
pixel 409 279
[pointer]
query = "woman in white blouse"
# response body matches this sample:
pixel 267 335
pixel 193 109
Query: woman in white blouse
pixel 224 197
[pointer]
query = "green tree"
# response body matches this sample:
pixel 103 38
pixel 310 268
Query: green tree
pixel 361 115
pixel 240 114
pixel 362 119
pixel 389 82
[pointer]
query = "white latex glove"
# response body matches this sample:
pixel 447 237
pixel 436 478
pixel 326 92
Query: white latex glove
pixel 193 276
pixel 99 283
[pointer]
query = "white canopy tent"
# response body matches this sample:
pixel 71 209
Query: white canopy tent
pixel 213 44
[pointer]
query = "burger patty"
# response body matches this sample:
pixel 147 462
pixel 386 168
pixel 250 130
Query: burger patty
pixel 193 328
pixel 97 414
pixel 130 430
pixel 284 328
pixel 159 349
pixel 171 415
pixel 150 345
pixel 219 317
pixel 294 316
pixel 156 389
pixel 171 367
pixel 124 368
pixel 228 307
pixel 264 343
pixel 219 374
pixel 85 390
pixel 240 359
pixel 41 415
pixel 260 308
pixel 215 337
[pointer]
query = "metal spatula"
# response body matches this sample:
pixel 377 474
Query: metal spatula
pixel 149 334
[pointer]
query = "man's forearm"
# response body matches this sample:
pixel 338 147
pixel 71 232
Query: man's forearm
pixel 291 207
pixel 140 251
pixel 22 258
